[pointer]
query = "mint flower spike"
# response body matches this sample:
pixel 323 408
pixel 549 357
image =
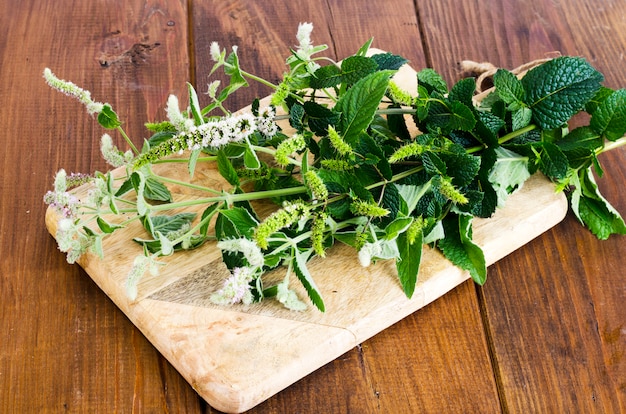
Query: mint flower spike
pixel 71 89
pixel 338 142
pixel 236 288
pixel 213 134
pixel 285 217
pixel 72 240
pixel 449 191
pixel 316 185
pixel 180 122
pixel 369 209
pixel 64 203
pixel 251 251
pixel 112 154
pixel 305 48
pixel 288 147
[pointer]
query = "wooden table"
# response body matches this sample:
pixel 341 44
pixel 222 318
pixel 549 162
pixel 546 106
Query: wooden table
pixel 547 333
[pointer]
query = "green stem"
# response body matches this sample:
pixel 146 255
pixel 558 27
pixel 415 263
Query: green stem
pixel 182 160
pixel 232 198
pixel 505 138
pixel 128 140
pixel 186 184
pixel 611 145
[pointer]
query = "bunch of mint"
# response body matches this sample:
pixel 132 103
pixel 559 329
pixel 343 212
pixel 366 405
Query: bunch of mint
pixel 351 171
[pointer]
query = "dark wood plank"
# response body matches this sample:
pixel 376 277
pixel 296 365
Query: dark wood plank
pixel 65 346
pixel 555 308
pixel 434 361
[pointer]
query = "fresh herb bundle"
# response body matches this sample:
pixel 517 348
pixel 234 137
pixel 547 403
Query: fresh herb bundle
pixel 352 172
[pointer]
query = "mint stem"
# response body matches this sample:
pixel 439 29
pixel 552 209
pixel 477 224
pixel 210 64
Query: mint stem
pixel 611 145
pixel 128 140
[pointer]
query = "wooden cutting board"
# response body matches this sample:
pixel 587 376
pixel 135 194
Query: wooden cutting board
pixel 236 357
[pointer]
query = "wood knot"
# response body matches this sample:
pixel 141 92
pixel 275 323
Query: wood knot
pixel 122 51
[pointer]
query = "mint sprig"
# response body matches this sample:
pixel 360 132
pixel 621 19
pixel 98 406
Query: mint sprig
pixel 348 169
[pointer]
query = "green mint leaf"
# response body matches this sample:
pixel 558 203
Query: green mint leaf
pixel 152 246
pixel 559 88
pixel 107 227
pixel 206 214
pixel 388 61
pixel 242 220
pixel 433 164
pixel 463 91
pixel 296 117
pixel 355 68
pixel 194 104
pixel 139 184
pixel 609 119
pixel 488 126
pixel 422 103
pixel 592 209
pixel 509 172
pixel 411 194
pixel 408 263
pixel 303 274
pixel 320 117
pixel 193 160
pixel 326 77
pixel 396 227
pixel 365 47
pixel 460 165
pixel 598 98
pixel 508 87
pixel 226 169
pixel 156 191
pixel 373 154
pixel 432 81
pixel 579 146
pixel 159 138
pixel 358 104
pixel 250 159
pixel 449 116
pixel 521 118
pixel 124 188
pixel 233 70
pixel 108 118
pixel 165 224
pixel 458 247
pixel 551 160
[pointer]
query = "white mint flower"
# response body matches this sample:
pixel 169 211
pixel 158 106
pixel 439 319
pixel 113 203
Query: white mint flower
pixel 213 87
pixel 140 264
pixel 251 251
pixel 304 36
pixel 216 53
pixel 112 154
pixel 236 288
pixel 288 297
pixel 71 239
pixel 175 116
pixel 218 133
pixel 265 122
pixel 64 203
pixel 70 89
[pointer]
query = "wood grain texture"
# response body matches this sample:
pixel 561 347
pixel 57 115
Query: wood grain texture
pixel 66 347
pixel 552 314
pixel 555 313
